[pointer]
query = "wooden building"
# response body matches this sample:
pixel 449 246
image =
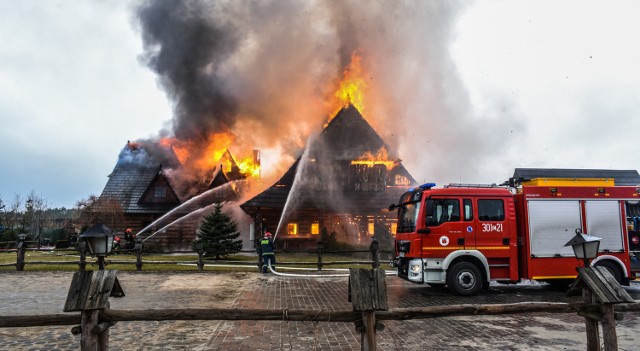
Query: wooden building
pixel 141 190
pixel 344 182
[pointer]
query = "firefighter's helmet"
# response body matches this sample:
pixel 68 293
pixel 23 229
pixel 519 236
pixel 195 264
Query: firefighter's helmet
pixel 267 235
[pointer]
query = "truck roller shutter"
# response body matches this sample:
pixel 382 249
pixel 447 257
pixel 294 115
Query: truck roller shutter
pixel 603 221
pixel 551 224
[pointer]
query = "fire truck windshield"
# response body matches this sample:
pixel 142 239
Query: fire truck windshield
pixel 408 212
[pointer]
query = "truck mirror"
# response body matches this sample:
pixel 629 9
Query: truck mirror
pixel 392 207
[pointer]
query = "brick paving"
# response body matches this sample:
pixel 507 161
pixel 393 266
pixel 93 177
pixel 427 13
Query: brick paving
pixel 539 331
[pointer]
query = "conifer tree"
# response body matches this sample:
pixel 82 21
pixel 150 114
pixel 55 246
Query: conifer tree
pixel 218 233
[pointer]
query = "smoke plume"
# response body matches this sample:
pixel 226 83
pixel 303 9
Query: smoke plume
pixel 266 71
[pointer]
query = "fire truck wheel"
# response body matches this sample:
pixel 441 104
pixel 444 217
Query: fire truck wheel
pixel 612 268
pixel 464 279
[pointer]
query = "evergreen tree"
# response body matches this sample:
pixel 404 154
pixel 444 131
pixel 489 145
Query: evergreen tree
pixel 218 233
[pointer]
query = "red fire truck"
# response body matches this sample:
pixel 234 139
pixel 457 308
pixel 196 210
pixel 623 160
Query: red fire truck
pixel 464 236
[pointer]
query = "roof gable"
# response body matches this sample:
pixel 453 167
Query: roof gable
pixel 159 191
pixel 348 136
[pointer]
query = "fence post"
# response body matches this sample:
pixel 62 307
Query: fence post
pixel 319 247
pixel 21 247
pixel 602 290
pixel 374 254
pixel 82 250
pixel 200 249
pixel 138 250
pixel 368 293
pixel 89 293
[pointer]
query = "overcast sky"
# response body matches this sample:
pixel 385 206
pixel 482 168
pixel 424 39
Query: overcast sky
pixel 562 76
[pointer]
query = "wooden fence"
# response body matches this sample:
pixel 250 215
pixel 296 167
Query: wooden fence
pixel 139 252
pixel 369 311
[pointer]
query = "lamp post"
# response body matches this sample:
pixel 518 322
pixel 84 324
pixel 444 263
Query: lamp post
pixel 100 241
pixel 585 247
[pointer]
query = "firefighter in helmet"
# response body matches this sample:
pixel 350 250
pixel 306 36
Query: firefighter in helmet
pixel 268 256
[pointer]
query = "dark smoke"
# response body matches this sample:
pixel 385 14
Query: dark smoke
pixel 186 49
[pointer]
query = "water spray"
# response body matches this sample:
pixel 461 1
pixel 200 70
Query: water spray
pixel 188 202
pixel 302 166
pixel 188 215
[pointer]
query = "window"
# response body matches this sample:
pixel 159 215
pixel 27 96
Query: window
pixel 401 180
pixel 292 228
pixel 371 228
pixel 394 228
pixel 160 192
pixel 315 228
pixel 490 210
pixel 468 210
pixel 442 210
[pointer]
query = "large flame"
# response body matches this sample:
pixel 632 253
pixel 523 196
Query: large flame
pixel 205 158
pixel 249 167
pixel 351 89
pixel 380 158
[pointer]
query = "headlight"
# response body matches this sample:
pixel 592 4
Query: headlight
pixel 415 268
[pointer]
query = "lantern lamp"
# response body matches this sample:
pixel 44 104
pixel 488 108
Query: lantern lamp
pixel 585 247
pixel 100 241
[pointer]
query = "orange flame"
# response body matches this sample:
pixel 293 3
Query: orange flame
pixel 182 152
pixel 217 144
pixel 213 154
pixel 380 158
pixel 352 86
pixel 249 167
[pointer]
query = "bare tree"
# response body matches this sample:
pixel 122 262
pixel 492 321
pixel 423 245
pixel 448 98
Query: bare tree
pixel 14 212
pixel 34 216
pixel 99 210
pixel 3 213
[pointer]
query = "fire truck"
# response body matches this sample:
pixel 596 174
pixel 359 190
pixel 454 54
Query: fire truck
pixel 464 236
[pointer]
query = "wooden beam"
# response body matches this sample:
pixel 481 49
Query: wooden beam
pixel 304 315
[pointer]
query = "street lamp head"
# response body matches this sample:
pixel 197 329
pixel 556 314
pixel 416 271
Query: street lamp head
pixel 99 238
pixel 585 247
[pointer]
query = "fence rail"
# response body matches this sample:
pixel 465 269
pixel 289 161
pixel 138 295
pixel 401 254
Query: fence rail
pixel 398 314
pixel 22 247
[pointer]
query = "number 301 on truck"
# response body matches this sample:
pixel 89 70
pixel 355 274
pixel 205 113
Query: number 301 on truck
pixel 464 236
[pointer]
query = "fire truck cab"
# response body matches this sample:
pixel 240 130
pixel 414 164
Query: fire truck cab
pixel 464 236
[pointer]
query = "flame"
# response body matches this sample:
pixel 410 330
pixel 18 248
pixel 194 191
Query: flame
pixel 182 152
pixel 352 86
pixel 214 153
pixel 217 145
pixel 195 155
pixel 249 167
pixel 380 158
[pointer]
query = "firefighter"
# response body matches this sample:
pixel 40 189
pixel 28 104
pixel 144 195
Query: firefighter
pixel 116 243
pixel 268 256
pixel 129 237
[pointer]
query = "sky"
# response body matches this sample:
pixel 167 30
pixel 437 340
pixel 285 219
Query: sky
pixel 465 91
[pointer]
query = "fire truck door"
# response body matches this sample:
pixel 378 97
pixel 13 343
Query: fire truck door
pixel 491 231
pixel 443 217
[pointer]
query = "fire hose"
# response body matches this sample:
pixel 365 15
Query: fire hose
pixel 312 275
pixel 305 275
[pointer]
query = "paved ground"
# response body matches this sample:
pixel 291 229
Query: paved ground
pixel 40 293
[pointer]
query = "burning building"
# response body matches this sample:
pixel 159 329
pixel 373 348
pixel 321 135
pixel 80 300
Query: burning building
pixel 150 185
pixel 344 182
